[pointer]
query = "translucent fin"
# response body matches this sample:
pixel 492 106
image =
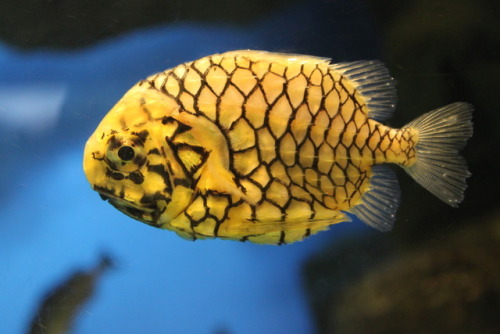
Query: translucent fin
pixel 438 167
pixel 381 201
pixel 373 81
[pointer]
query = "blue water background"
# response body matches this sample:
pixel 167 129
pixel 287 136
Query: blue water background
pixel 52 223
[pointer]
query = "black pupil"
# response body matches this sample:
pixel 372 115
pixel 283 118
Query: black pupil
pixel 126 153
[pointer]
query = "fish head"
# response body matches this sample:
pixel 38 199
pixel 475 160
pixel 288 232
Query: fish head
pixel 129 162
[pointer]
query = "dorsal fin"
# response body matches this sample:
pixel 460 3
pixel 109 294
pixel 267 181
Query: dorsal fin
pixel 373 81
pixel 277 56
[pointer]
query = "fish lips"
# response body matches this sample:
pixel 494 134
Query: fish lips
pixel 145 212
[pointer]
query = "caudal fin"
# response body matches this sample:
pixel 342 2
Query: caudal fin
pixel 438 167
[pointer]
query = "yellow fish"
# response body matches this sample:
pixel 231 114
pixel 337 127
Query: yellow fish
pixel 269 148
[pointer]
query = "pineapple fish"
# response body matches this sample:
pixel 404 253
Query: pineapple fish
pixel 269 148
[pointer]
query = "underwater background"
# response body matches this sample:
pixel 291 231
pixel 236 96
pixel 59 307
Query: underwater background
pixel 71 263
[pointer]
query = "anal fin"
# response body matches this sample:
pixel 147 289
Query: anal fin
pixel 379 204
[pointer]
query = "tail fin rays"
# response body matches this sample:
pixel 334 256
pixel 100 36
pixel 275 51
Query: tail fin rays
pixel 438 167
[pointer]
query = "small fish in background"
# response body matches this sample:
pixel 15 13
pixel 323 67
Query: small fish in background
pixel 269 148
pixel 61 306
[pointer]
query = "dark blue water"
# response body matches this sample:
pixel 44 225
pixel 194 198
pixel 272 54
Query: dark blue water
pixel 51 222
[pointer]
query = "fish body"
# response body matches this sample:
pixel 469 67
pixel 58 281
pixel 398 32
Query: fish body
pixel 60 307
pixel 269 148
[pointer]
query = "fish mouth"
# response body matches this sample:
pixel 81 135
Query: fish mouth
pixel 145 212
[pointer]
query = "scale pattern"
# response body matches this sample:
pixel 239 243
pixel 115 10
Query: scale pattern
pixel 299 139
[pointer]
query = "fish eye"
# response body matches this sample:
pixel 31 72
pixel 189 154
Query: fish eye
pixel 126 153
